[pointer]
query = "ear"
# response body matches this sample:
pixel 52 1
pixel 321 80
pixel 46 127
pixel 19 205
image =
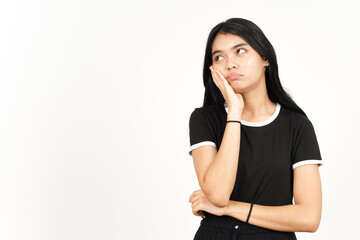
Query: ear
pixel 266 62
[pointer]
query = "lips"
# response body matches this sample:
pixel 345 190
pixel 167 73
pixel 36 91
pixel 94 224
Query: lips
pixel 233 76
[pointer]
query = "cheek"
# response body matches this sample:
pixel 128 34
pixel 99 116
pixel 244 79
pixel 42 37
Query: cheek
pixel 251 63
pixel 253 66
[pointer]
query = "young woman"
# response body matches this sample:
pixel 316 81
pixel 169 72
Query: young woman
pixel 253 148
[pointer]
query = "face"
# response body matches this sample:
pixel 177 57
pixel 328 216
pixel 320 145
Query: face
pixel 240 64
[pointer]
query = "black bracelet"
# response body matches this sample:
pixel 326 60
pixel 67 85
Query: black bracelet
pixel 233 121
pixel 247 220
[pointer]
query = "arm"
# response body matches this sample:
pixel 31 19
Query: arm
pixel 216 171
pixel 303 216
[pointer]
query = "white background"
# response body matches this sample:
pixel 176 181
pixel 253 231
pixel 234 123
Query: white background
pixel 95 98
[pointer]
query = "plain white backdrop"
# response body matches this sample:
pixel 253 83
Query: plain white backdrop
pixel 95 98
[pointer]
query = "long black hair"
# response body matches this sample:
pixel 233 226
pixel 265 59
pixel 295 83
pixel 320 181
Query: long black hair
pixel 253 35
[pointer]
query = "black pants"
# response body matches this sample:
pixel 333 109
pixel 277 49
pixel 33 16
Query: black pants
pixel 224 227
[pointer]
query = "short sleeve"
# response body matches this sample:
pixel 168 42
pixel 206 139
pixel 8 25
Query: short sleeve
pixel 199 131
pixel 306 147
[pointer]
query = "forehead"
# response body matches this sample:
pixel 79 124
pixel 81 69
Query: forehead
pixel 225 41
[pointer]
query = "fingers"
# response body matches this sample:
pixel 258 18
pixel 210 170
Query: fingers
pixel 200 213
pixel 220 82
pixel 195 193
pixel 197 209
pixel 215 80
pixel 226 90
pixel 196 203
pixel 217 76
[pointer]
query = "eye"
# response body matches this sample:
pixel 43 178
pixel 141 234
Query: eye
pixel 217 58
pixel 240 50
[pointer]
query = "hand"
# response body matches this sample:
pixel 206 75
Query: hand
pixel 233 100
pixel 199 203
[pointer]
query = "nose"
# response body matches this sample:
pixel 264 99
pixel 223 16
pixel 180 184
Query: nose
pixel 231 64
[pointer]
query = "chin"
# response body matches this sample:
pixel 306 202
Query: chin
pixel 237 88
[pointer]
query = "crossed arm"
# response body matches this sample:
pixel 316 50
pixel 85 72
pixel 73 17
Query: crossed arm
pixel 303 216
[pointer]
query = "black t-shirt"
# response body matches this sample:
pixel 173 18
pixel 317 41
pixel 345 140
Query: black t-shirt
pixel 269 151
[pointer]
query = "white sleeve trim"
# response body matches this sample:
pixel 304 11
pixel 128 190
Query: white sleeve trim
pixel 304 162
pixel 200 144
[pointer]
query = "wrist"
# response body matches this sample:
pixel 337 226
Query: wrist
pixel 234 115
pixel 226 209
pixel 236 209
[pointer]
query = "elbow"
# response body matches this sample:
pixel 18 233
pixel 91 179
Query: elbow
pixel 313 225
pixel 218 201
pixel 217 198
pixel 309 218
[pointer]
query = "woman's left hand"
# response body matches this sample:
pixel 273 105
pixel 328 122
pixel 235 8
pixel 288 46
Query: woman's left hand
pixel 199 203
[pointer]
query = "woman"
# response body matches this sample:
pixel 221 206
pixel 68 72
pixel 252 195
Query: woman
pixel 253 148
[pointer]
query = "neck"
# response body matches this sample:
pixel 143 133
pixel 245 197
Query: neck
pixel 257 103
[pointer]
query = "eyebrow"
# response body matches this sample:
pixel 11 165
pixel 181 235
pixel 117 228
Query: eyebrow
pixel 238 45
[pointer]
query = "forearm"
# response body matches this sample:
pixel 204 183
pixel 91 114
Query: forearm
pixel 289 218
pixel 220 177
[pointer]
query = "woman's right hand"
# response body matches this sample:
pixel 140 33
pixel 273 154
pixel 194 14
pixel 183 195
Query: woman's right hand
pixel 234 101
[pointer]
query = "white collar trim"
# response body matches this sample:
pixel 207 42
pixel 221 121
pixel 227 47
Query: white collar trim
pixel 259 124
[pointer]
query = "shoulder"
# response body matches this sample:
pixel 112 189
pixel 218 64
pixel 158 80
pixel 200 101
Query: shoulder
pixel 208 109
pixel 206 112
pixel 295 118
pixel 299 123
